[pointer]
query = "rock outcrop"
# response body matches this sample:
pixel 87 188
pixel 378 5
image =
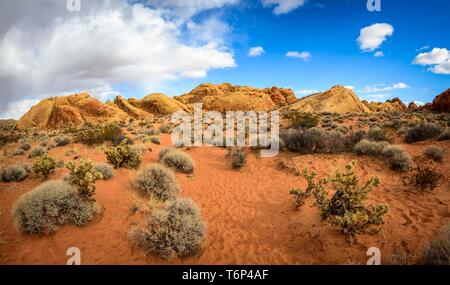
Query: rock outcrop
pixel 227 97
pixel 442 102
pixel 159 104
pixel 338 99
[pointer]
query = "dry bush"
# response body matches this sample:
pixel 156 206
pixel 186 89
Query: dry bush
pixel 155 140
pixel 366 147
pixel 423 176
pixel 156 181
pixel 238 157
pixel 51 205
pixel 423 131
pixel 302 120
pixel 445 135
pixel 14 173
pixel 62 141
pixel 44 165
pixel 377 134
pixel 175 231
pixel 437 251
pixel 435 153
pixel 179 161
pixel 164 151
pixel 397 158
pixel 25 146
pixel 105 169
pixel 97 135
pixel 313 140
pixel 36 152
pixel 124 156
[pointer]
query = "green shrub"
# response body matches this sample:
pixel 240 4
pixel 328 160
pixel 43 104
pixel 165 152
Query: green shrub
pixel 123 156
pixel 62 141
pixel 445 135
pixel 302 120
pixel 377 134
pixel 83 176
pixel 435 153
pixel 44 165
pixel 105 169
pixel 238 157
pixel 175 231
pixel 36 152
pixel 99 134
pixel 14 173
pixel 423 131
pixel 51 205
pixel 397 158
pixel 157 182
pixel 179 161
pixel 366 147
pixel 346 209
pixel 437 251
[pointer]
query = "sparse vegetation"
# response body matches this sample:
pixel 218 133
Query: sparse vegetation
pixel 44 165
pixel 61 141
pixel 423 131
pixel 83 176
pixel 124 156
pixel 377 134
pixel 179 161
pixel 175 231
pixel 423 177
pixel 36 152
pixel 99 134
pixel 437 251
pixel 14 173
pixel 105 169
pixel 435 153
pixel 397 158
pixel 156 181
pixel 302 120
pixel 238 157
pixel 445 135
pixel 366 147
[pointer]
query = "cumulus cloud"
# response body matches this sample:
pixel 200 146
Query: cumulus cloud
pixel 437 58
pixel 377 97
pixel 350 87
pixel 379 54
pixel 383 87
pixel 189 8
pixel 372 37
pixel 304 55
pixel 52 51
pixel 305 92
pixel 283 6
pixel 255 51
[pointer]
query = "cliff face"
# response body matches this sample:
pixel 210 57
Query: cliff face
pixel 338 99
pixel 442 102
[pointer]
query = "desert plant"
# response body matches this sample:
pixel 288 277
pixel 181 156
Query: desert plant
pixel 437 251
pixel 36 152
pixel 423 177
pixel 164 151
pixel 155 140
pixel 99 134
pixel 445 135
pixel 165 129
pixel 366 147
pixel 83 175
pixel 377 134
pixel 62 141
pixel 179 161
pixel 44 165
pixel 302 120
pixel 434 152
pixel 175 231
pixel 50 205
pixel 397 157
pixel 25 146
pixel 238 157
pixel 14 173
pixel 156 181
pixel 313 140
pixel 105 169
pixel 18 151
pixel 123 156
pixel 312 188
pixel 422 132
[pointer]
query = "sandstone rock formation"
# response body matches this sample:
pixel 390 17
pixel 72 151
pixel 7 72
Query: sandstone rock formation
pixel 68 111
pixel 129 109
pixel 338 99
pixel 442 102
pixel 227 97
pixel 159 104
pixel 412 107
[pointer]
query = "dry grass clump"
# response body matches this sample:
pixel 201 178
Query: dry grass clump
pixel 423 176
pixel 36 152
pixel 313 140
pixel 99 134
pixel 423 131
pixel 435 153
pixel 174 231
pixel 302 120
pixel 156 181
pixel 177 160
pixel 397 158
pixel 238 158
pixel 105 169
pixel 25 146
pixel 437 251
pixel 445 135
pixel 377 134
pixel 62 141
pixel 51 205
pixel 366 147
pixel 15 173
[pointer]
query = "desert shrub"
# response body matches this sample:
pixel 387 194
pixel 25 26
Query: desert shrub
pixel 62 141
pixel 179 161
pixel 366 147
pixel 164 151
pixel 121 138
pixel 423 177
pixel 434 152
pixel 99 134
pixel 346 209
pixel 18 152
pixel 123 156
pixel 397 157
pixel 36 152
pixel 25 146
pixel 238 157
pixel 14 173
pixel 313 140
pixel 355 137
pixel 165 129
pixel 302 120
pixel 422 132
pixel 445 135
pixel 105 169
pixel 175 231
pixel 377 134
pixel 51 205
pixel 437 251
pixel 155 140
pixel 44 165
pixel 157 182
pixel 83 175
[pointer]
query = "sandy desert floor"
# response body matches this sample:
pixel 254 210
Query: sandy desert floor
pixel 251 217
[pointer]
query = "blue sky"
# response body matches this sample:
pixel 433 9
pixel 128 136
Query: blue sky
pixel 137 47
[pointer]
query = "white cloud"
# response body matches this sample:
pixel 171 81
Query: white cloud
pixel 283 6
pixel 108 43
pixel 378 97
pixel 423 48
pixel 379 54
pixel 350 87
pixel 189 8
pixel 255 51
pixel 306 92
pixel 372 37
pixel 304 55
pixel 419 103
pixel 438 58
pixel 16 109
pixel 383 87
